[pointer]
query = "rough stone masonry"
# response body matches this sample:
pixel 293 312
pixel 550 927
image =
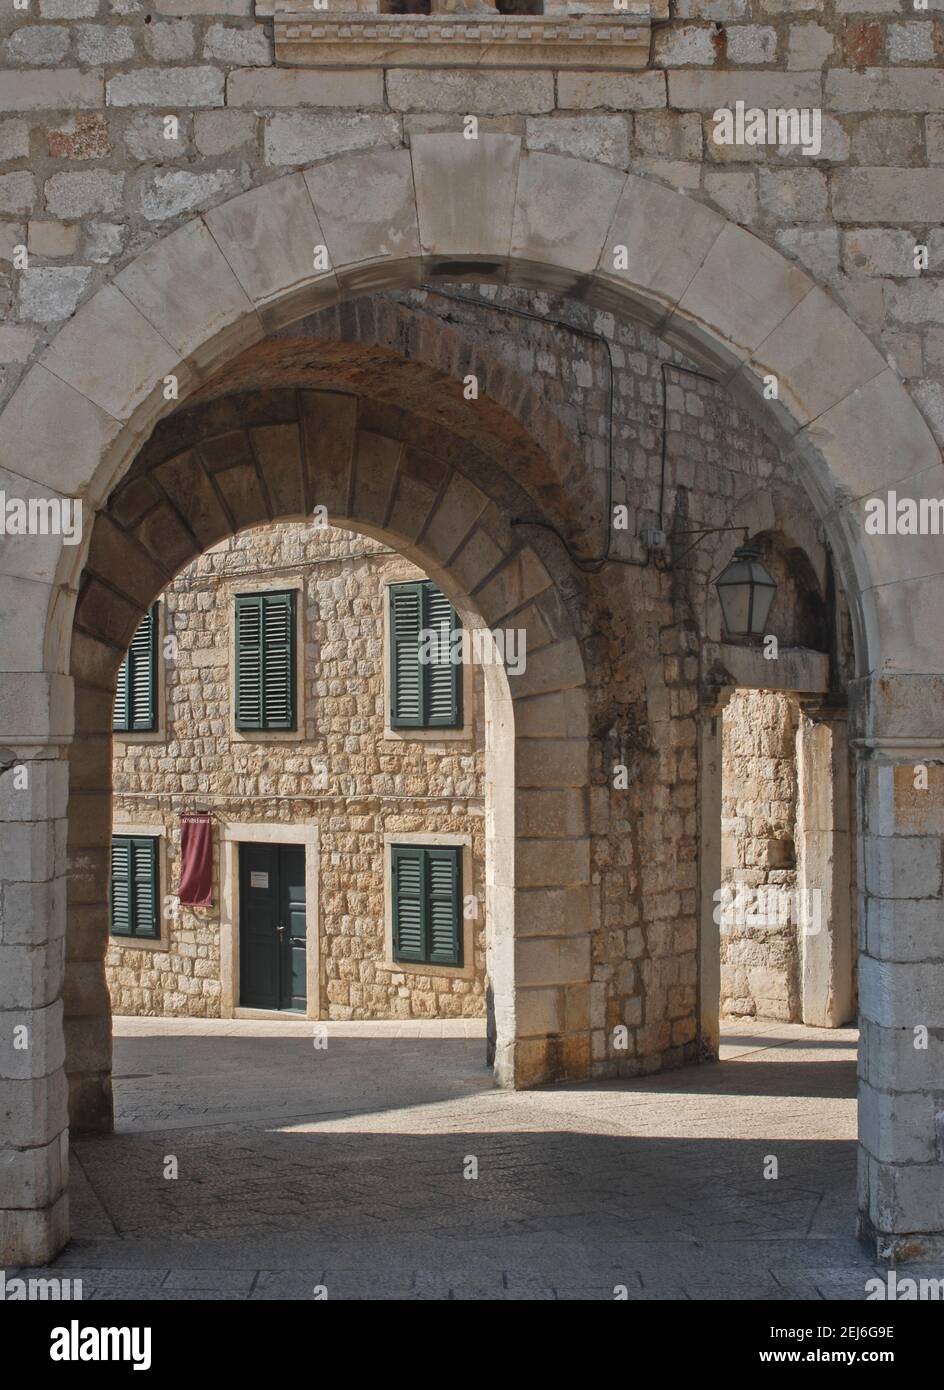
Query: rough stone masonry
pixel 124 124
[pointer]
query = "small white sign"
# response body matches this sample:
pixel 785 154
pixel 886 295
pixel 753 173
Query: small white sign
pixel 258 879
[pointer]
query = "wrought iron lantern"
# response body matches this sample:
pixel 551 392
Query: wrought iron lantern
pixel 746 591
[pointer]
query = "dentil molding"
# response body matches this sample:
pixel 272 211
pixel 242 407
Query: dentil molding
pixel 595 34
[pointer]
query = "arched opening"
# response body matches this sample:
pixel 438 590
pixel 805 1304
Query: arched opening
pixel 189 305
pixel 221 468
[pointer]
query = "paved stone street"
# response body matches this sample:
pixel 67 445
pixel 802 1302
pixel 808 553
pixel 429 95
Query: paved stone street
pixel 344 1167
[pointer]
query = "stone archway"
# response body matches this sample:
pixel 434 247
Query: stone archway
pixel 236 464
pixel 478 210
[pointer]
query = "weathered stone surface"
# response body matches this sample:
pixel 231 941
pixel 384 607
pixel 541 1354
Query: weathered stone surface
pixel 186 87
pixel 885 89
pixel 367 211
pixel 810 46
pixel 50 91
pixel 300 138
pixel 584 200
pixel 76 195
pixel 131 359
pixel 104 241
pixel 465 196
pixel 220 132
pixel 752 43
pixel 888 195
pixel 17 192
pixel 604 139
pixel 68 9
pixel 48 294
pixel 167 195
pixel 147 136
pixel 53 239
pixel 497 92
pixel 735 194
pixel 668 134
pixel 16 343
pixel 81 137
pixel 168 41
pixel 242 47
pixel 878 251
pixel 166 283
pixel 278 87
pixel 818 251
pixel 794 195
pixel 101 43
pixel 687 46
pixel 14 140
pixel 584 91
pixel 706 91
pixel 268 237
pixel 41 44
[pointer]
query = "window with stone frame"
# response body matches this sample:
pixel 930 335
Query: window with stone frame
pixel 265 661
pixel 427 904
pixel 134 890
pixel 135 708
pixel 425 693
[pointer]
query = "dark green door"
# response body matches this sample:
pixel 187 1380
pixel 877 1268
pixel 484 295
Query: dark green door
pixel 272 927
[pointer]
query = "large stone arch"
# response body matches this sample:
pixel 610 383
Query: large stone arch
pixel 486 209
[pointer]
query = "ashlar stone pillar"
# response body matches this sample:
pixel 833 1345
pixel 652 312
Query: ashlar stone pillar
pixel 824 867
pixel 898 734
pixel 33 1090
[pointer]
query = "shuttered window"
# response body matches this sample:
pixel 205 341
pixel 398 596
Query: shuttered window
pixel 423 694
pixel 134 886
pixel 427 903
pixel 136 694
pixel 265 660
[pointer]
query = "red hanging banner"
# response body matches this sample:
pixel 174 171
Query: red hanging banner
pixel 196 860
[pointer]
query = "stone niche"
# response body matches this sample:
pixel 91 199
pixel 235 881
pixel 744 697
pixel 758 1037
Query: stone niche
pixel 463 33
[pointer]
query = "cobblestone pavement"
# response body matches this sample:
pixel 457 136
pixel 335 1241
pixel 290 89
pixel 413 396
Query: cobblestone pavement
pixel 345 1167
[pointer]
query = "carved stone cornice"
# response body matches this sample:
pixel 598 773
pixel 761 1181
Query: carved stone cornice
pixel 607 40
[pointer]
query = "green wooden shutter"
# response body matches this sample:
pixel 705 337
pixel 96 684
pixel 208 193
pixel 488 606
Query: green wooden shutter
pixel 265 660
pixel 145 886
pixel 427 904
pixel 406 691
pixel 278 659
pixel 249 661
pixel 409 936
pixel 134 886
pixel 136 690
pixel 120 895
pixel 443 677
pixel 444 905
pixel 423 695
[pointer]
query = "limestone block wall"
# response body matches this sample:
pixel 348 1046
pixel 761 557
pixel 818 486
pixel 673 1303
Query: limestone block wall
pixel 339 773
pixel 92 173
pixel 760 955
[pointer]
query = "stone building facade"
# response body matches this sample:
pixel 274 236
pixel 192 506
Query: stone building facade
pixel 226 237
pixel 346 774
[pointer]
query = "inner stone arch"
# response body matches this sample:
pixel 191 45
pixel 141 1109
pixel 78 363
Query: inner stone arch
pixel 286 453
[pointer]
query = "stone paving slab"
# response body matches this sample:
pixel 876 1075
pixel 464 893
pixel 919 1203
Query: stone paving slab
pixel 285 1171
